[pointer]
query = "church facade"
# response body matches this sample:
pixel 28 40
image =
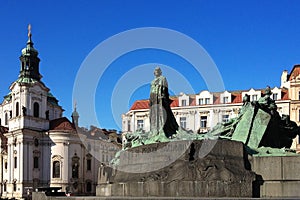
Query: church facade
pixel 201 112
pixel 40 147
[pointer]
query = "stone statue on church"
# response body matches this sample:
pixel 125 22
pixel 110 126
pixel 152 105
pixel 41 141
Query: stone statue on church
pixel 161 116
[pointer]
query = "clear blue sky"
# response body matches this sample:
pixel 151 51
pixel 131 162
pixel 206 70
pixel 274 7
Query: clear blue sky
pixel 251 42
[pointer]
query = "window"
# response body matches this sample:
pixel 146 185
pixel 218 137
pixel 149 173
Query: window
pixel 128 126
pixel 140 124
pixel 254 97
pixel 88 186
pixel 183 122
pixel 15 186
pixel 225 99
pixel 183 102
pixel 201 101
pixel 16 162
pixel 4 187
pixel 299 115
pixel 207 100
pixel 35 162
pixel 275 96
pixel 89 164
pixel 225 118
pixel 203 122
pixel 5 165
pixel 56 169
pixel 0 122
pixel 6 119
pixel 36 109
pixel 75 170
pixel 299 95
pixel 17 109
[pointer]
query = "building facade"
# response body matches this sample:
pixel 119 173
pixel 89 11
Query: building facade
pixel 40 147
pixel 201 112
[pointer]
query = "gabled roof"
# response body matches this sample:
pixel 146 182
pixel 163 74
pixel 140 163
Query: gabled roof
pixel 62 124
pixel 295 72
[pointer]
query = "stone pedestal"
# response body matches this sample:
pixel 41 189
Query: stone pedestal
pixel 180 169
pixel 278 176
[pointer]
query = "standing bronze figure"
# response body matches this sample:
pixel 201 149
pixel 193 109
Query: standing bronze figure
pixel 161 116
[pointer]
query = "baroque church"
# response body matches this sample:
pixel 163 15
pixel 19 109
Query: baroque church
pixel 40 147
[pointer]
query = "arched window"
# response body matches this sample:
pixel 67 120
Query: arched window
pixel 56 169
pixel 17 109
pixel 36 109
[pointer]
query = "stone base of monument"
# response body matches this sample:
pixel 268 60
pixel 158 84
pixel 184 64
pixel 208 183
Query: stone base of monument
pixel 204 168
pixel 278 176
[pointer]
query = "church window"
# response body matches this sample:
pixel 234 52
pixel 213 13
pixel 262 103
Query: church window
pixel 15 186
pixel 89 164
pixel 35 162
pixel 15 162
pixel 4 187
pixel 36 109
pixel 183 122
pixel 17 109
pixel 88 186
pixel 75 170
pixel 56 169
pixel 6 119
pixel 5 165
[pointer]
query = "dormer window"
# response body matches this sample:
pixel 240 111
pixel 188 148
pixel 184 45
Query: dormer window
pixel 201 101
pixel 183 102
pixel 275 96
pixel 225 100
pixel 207 100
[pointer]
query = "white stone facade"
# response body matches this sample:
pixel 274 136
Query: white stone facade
pixel 39 147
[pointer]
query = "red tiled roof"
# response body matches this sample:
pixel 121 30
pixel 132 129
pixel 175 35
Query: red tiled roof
pixel 62 124
pixel 216 99
pixel 295 72
pixel 140 104
pixel 144 104
pixel 284 94
pixel 236 97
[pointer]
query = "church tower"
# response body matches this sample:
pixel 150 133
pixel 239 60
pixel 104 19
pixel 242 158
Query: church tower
pixel 27 111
